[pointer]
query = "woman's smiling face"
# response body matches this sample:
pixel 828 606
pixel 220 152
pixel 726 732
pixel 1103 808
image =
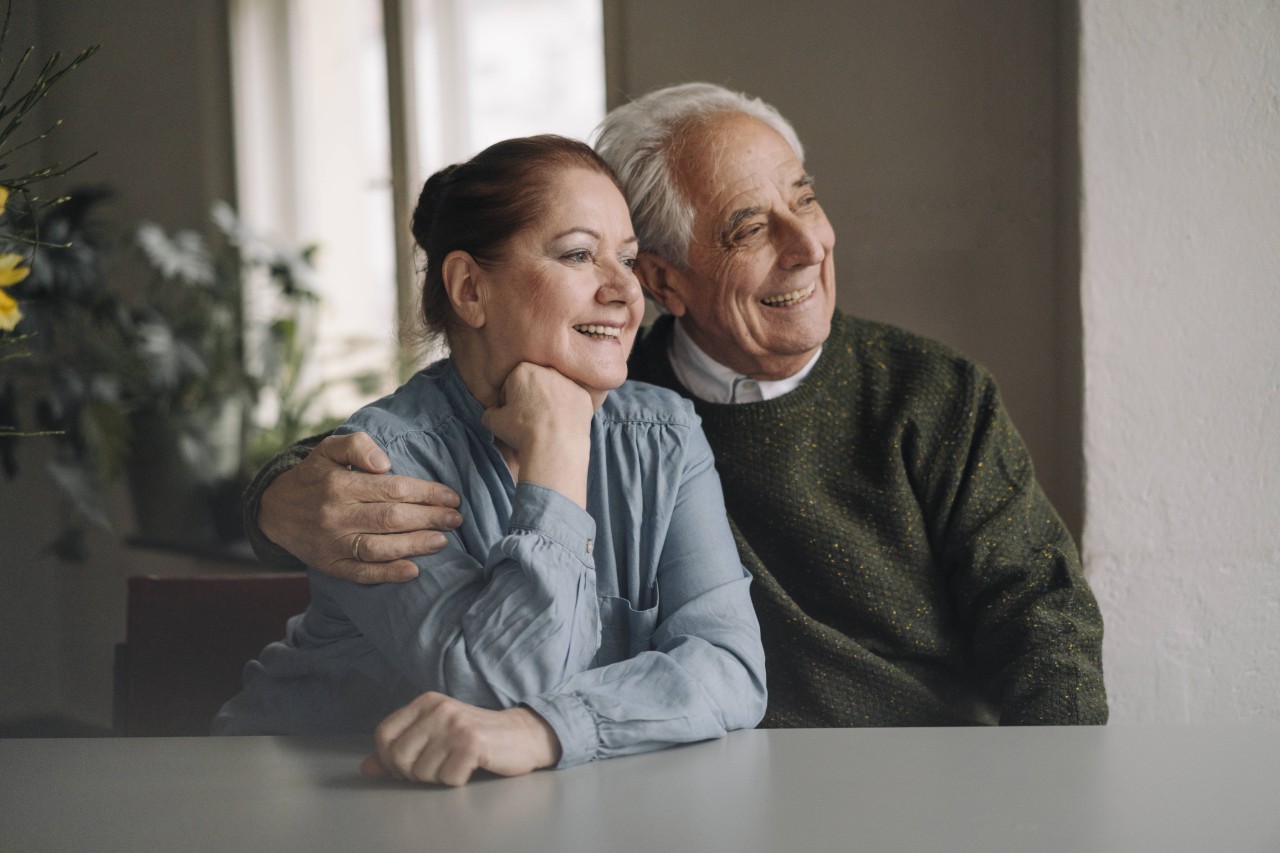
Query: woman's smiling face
pixel 565 295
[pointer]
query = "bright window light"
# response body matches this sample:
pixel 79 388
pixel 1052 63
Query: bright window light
pixel 313 128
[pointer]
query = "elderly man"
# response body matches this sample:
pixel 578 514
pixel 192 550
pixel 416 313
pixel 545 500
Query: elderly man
pixel 908 569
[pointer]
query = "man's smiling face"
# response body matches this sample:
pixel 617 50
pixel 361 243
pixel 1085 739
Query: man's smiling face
pixel 758 290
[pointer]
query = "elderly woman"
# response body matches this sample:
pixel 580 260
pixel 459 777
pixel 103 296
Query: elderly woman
pixel 592 602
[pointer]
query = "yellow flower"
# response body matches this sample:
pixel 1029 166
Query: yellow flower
pixel 10 270
pixel 4 197
pixel 10 273
pixel 9 313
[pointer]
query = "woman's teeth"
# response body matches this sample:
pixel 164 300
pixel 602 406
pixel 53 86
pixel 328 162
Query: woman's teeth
pixel 603 332
pixel 790 298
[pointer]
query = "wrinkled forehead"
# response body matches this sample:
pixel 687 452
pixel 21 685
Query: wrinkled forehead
pixel 727 155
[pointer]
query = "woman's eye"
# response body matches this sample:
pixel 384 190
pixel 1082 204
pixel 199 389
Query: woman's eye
pixel 581 256
pixel 629 263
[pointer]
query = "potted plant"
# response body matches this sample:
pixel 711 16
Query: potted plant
pixel 161 379
pixel 162 383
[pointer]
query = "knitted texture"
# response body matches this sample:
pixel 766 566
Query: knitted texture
pixel 908 568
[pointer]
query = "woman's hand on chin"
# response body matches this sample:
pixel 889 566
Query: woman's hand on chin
pixel 546 418
pixel 439 739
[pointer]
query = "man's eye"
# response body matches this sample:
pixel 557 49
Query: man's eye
pixel 747 233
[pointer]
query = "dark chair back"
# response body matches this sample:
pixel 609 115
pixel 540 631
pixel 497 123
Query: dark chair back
pixel 187 640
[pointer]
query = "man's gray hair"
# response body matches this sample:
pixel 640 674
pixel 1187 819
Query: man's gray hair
pixel 637 141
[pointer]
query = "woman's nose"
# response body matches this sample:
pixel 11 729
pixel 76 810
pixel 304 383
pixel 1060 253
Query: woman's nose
pixel 620 285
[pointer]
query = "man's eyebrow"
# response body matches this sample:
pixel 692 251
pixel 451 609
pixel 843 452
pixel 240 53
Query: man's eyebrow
pixel 741 215
pixel 737 218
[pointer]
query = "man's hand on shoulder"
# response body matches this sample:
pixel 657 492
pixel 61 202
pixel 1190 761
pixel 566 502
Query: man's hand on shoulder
pixel 339 512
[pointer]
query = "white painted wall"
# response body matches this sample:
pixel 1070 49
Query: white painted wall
pixel 1180 145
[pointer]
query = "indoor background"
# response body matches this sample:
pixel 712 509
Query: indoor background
pixel 1083 196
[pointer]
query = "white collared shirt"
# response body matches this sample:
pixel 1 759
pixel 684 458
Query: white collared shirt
pixel 711 381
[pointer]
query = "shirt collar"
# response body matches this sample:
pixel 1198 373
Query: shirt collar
pixel 711 381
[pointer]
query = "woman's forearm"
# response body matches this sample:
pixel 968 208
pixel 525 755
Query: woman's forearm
pixel 558 462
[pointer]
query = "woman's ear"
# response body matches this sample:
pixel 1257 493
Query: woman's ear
pixel 663 281
pixel 462 281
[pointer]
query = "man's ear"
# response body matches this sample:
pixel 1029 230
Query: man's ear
pixel 663 281
pixel 462 281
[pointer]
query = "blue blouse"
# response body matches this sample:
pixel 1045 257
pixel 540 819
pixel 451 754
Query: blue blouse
pixel 628 627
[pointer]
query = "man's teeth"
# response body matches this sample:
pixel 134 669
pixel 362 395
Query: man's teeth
pixel 790 298
pixel 599 331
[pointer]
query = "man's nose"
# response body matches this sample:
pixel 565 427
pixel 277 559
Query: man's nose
pixel 800 242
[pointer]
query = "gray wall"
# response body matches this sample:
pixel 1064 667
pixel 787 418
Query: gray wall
pixel 154 103
pixel 934 130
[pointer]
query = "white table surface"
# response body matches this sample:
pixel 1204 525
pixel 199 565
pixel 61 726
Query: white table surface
pixel 1049 789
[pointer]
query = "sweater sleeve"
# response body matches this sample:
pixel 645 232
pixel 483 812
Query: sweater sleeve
pixel 269 552
pixel 1034 626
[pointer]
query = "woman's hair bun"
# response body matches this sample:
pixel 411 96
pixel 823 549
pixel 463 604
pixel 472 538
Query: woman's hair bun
pixel 433 193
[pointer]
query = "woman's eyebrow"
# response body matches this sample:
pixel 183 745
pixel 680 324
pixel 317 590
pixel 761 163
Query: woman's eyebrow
pixel 591 232
pixel 578 229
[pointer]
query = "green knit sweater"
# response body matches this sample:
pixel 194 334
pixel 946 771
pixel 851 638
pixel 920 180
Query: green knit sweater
pixel 908 568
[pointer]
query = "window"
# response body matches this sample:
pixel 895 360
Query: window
pixel 492 69
pixel 343 107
